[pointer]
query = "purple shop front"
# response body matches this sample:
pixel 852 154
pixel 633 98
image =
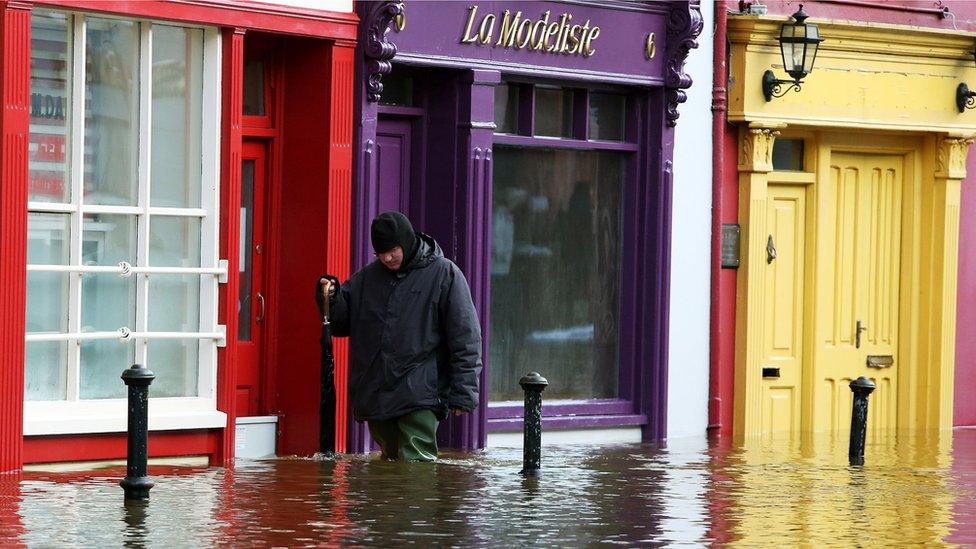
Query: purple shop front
pixel 533 140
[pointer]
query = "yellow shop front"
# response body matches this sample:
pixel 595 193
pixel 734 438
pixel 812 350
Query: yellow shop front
pixel 849 215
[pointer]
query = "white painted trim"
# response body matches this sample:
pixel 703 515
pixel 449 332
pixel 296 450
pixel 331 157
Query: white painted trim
pixel 616 435
pixel 248 420
pixel 122 336
pixel 219 272
pixel 210 202
pixel 109 416
pixel 145 188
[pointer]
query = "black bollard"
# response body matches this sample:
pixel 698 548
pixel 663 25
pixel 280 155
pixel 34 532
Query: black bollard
pixel 862 387
pixel 137 483
pixel 532 384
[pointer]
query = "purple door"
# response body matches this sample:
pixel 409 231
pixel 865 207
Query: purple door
pixel 393 139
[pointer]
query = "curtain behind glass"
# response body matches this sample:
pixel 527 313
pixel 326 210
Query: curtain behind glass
pixel 555 275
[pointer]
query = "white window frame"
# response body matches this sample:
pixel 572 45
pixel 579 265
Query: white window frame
pixel 75 415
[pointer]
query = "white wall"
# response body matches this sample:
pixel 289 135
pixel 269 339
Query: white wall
pixel 690 247
pixel 328 5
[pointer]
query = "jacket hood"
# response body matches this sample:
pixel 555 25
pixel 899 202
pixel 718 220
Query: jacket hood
pixel 428 251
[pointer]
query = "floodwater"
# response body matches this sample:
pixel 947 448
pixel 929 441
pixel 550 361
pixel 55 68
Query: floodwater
pixel 914 489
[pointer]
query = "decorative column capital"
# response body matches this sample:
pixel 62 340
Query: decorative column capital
pixel 951 156
pixel 756 148
pixel 684 25
pixel 377 50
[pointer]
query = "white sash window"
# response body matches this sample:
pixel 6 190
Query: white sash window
pixel 122 221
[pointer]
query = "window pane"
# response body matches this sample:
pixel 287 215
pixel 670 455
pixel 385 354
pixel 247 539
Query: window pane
pixel 175 363
pixel 244 304
pixel 254 87
pixel 50 113
pixel 47 302
pixel 107 303
pixel 47 238
pixel 102 362
pixel 177 72
pixel 607 116
pixel 174 241
pixel 506 108
pixel 555 244
pixel 788 154
pixel 553 112
pixel 108 239
pixel 174 303
pixel 46 376
pixel 112 114
pixel 45 363
pixel 397 90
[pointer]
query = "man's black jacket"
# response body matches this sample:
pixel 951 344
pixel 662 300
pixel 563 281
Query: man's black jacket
pixel 414 336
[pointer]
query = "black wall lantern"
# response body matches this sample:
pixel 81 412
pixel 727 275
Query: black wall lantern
pixel 798 42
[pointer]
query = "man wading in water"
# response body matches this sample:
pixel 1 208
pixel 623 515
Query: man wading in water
pixel 414 338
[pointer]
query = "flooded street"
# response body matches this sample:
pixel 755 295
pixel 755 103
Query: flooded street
pixel 915 489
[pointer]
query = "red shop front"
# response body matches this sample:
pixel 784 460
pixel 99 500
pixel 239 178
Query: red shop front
pixel 173 178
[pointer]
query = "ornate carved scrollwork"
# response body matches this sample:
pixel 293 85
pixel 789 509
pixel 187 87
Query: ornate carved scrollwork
pixel 377 50
pixel 684 25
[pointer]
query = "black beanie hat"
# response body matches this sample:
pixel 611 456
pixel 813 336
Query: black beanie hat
pixel 392 229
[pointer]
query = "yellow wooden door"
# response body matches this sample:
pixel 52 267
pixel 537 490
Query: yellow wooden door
pixel 783 315
pixel 857 305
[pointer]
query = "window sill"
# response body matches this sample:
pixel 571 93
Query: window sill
pixel 110 416
pixel 570 422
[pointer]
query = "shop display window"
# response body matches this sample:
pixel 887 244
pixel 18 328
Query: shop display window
pixel 557 233
pixel 122 224
pixel 556 244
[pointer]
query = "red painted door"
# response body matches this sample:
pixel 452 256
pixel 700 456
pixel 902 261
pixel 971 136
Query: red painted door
pixel 393 138
pixel 252 302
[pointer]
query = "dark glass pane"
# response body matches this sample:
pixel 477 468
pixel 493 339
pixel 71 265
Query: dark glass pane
pixel 553 112
pixel 397 90
pixel 506 108
pixel 788 155
pixel 606 116
pixel 555 271
pixel 254 87
pixel 244 304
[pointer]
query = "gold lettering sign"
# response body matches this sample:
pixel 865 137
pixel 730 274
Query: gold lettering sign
pixel 548 33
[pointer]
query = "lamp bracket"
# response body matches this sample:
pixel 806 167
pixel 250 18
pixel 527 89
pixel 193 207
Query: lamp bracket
pixel 965 99
pixel 774 87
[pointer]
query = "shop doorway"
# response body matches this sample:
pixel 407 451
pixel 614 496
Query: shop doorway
pixel 253 305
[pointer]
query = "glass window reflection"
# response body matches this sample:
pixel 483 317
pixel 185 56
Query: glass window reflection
pixel 555 271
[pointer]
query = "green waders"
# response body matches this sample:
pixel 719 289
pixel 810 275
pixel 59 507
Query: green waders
pixel 411 437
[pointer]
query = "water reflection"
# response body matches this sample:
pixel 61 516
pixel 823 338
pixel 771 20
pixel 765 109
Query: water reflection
pixel 915 489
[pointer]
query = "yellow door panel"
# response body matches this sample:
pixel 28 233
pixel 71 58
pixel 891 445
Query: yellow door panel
pixel 857 308
pixel 783 317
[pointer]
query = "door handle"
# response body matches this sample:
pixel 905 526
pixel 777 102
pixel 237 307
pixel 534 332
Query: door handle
pixel 770 250
pixel 260 317
pixel 858 328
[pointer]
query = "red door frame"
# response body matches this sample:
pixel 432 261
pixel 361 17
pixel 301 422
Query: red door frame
pixel 237 18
